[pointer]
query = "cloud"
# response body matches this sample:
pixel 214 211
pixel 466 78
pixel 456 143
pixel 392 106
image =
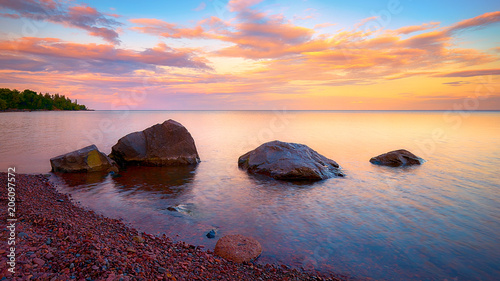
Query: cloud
pixel 456 83
pixel 241 5
pixel 278 58
pixel 255 35
pixel 311 14
pixel 13 62
pixel 433 40
pixel 415 28
pixel 265 38
pixel 476 22
pixel 56 55
pixel 165 29
pixel 408 74
pixel 12 16
pixel 347 57
pixel 470 73
pixel 78 16
pixel 364 21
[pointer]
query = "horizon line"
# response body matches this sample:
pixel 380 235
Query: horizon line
pixel 436 110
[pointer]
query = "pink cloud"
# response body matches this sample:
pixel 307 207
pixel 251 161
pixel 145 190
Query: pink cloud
pixel 415 28
pixel 56 55
pixel 12 16
pixel 477 22
pixel 430 40
pixel 240 5
pixel 79 16
pixel 255 35
pixel 165 29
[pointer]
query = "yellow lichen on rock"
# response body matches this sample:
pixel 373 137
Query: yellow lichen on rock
pixel 94 159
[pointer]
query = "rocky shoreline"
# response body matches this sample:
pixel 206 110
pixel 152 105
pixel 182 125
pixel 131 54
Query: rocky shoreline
pixel 58 240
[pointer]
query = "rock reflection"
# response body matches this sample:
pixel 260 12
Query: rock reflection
pixel 172 181
pixel 266 181
pixel 81 180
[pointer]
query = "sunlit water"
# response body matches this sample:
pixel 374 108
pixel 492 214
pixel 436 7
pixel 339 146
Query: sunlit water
pixel 438 221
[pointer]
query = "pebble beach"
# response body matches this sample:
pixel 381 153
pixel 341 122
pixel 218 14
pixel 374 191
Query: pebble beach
pixel 57 239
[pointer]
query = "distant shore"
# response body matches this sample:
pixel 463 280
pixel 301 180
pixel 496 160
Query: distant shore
pixel 58 240
pixel 30 110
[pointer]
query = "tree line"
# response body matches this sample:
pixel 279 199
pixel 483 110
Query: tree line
pixel 30 100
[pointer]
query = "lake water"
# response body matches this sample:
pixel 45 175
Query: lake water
pixel 438 221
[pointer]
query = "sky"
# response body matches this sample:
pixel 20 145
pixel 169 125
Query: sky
pixel 255 54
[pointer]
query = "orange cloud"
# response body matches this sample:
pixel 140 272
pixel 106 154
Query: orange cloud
pixel 347 58
pixel 254 36
pixel 415 28
pixel 477 22
pixel 57 55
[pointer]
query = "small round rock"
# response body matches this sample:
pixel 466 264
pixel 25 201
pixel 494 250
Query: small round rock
pixel 238 248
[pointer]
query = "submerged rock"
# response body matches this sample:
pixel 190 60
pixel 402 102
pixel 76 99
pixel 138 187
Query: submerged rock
pixel 397 158
pixel 289 161
pixel 87 159
pixel 164 144
pixel 187 208
pixel 211 233
pixel 238 248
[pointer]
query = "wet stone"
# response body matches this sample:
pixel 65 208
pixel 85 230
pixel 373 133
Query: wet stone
pixel 211 233
pixel 39 261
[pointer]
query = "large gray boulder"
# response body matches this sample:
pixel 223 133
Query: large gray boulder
pixel 166 144
pixel 87 159
pixel 289 161
pixel 397 158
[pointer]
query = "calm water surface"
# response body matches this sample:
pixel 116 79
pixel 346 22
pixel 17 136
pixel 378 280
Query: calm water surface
pixel 438 221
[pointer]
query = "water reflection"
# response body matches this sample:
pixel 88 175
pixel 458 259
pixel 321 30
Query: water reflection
pixel 81 180
pixel 267 181
pixel 436 221
pixel 171 181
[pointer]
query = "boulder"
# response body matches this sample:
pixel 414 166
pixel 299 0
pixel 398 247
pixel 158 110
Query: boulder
pixel 289 161
pixel 166 144
pixel 397 158
pixel 87 159
pixel 238 248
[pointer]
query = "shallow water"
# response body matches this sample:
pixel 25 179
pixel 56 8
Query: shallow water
pixel 437 221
